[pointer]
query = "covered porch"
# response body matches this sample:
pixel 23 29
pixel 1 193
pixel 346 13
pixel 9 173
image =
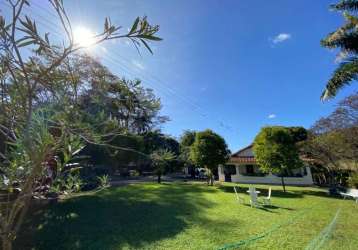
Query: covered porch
pixel 251 174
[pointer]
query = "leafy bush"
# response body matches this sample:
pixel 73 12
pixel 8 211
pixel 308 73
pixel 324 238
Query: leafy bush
pixel 134 173
pixel 353 180
pixel 103 181
pixel 73 183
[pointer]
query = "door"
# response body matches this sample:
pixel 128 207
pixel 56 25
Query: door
pixel 228 171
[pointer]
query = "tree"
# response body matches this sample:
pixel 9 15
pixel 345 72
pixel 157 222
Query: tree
pixel 209 150
pixel 161 160
pixel 333 140
pixel 102 94
pixel 119 108
pixel 342 124
pixel 155 140
pixel 276 151
pixel 28 74
pixel 186 141
pixel 344 38
pixel 327 150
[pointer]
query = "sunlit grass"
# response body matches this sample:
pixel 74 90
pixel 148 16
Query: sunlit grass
pixel 190 216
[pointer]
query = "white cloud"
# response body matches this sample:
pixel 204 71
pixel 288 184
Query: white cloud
pixel 281 38
pixel 271 116
pixel 138 64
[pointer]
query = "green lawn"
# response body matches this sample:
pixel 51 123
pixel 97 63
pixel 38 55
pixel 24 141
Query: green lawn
pixel 192 216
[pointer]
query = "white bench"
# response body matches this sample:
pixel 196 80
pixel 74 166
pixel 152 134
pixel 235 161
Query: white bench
pixel 351 192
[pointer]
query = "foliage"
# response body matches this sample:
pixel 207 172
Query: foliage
pixel 103 181
pixel 186 141
pixel 276 150
pixel 344 38
pixel 327 148
pixel 73 183
pixel 123 150
pixel 333 139
pixel 345 116
pixel 33 75
pixel 161 160
pixel 346 5
pixel 154 140
pixel 101 94
pixel 209 150
pixel 298 133
pixel 353 180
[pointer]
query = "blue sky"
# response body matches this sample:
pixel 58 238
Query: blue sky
pixel 233 66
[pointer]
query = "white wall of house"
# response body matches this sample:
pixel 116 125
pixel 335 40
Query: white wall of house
pixel 242 158
pixel 221 173
pixel 239 177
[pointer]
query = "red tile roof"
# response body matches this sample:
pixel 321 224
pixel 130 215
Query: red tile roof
pixel 243 159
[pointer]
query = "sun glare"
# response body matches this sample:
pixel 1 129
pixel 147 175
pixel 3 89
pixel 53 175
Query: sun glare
pixel 83 37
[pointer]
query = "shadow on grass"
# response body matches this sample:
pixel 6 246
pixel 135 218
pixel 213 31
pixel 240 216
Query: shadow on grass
pixel 277 207
pixel 263 192
pixel 269 208
pixel 131 216
pixel 262 207
pixel 321 193
pixel 280 193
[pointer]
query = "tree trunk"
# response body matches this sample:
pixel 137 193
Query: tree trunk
pixel 212 180
pixel 283 183
pixel 210 177
pixel 332 184
pixel 6 243
pixel 159 178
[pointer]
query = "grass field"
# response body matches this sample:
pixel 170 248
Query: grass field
pixel 193 216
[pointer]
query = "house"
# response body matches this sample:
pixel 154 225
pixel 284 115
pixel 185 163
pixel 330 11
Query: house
pixel 242 168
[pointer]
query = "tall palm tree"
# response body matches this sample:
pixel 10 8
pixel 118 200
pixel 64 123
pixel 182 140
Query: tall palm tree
pixel 344 38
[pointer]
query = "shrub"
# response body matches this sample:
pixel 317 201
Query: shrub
pixel 353 180
pixel 103 181
pixel 134 173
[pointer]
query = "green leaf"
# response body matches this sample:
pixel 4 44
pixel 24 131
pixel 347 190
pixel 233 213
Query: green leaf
pixel 46 38
pixel 27 31
pixel 150 37
pixel 135 25
pixel 147 46
pixel 2 21
pixel 106 24
pixel 26 43
pixel 23 39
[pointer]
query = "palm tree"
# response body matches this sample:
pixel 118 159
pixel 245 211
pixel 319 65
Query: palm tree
pixel 161 160
pixel 344 38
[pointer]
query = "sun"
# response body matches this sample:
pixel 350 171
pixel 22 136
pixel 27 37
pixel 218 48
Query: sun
pixel 83 37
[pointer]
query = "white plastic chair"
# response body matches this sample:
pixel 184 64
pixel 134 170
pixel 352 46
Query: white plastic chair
pixel 239 199
pixel 267 200
pixel 252 189
pixel 253 198
pixel 350 193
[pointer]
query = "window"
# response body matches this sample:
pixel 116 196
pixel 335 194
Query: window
pixel 230 169
pixel 304 171
pixel 249 169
